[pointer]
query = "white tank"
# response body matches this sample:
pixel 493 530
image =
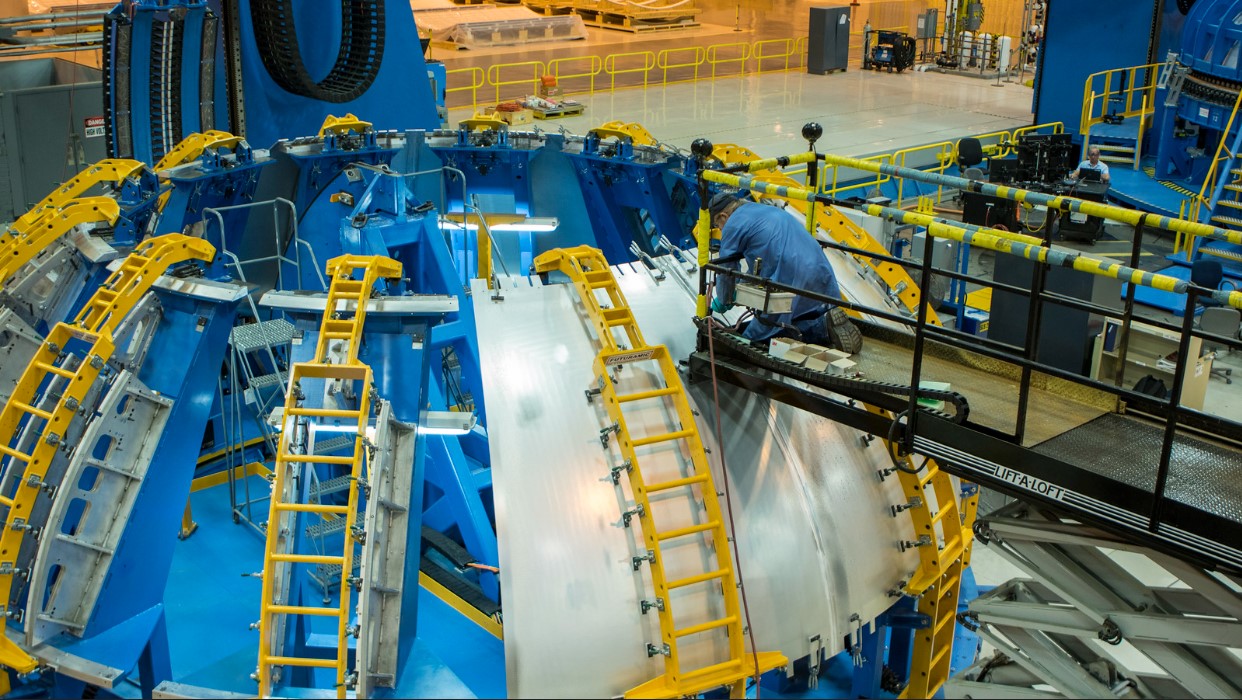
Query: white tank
pixel 1004 53
pixel 968 43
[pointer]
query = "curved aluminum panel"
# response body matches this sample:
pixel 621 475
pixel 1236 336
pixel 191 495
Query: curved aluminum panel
pixel 816 541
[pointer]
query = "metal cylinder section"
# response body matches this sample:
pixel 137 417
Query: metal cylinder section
pixel 1212 39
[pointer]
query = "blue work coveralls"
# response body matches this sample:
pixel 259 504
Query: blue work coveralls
pixel 790 256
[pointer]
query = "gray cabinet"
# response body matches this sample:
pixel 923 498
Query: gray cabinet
pixel 828 44
pixel 51 127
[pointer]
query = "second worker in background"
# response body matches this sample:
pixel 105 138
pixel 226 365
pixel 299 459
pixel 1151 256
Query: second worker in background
pixel 791 256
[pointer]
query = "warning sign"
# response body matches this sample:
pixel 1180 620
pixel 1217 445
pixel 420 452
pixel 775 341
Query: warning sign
pixel 94 127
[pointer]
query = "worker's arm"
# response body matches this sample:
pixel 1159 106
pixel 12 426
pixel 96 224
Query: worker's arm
pixel 1104 173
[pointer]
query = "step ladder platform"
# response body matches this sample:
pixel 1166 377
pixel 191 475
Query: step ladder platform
pixel 659 688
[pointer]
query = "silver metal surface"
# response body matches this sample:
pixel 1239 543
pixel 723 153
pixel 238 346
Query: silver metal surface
pixel 93 248
pixel 799 487
pixel 316 301
pixel 383 553
pixel 176 691
pixel 71 665
pixel 18 344
pixel 198 288
pixel 249 337
pixel 104 476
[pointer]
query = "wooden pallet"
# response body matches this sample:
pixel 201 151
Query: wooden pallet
pixel 567 111
pixel 550 8
pixel 640 21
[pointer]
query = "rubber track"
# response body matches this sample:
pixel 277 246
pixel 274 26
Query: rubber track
pixel 832 382
pixel 357 61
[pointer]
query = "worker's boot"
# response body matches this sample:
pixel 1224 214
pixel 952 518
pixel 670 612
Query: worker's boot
pixel 842 332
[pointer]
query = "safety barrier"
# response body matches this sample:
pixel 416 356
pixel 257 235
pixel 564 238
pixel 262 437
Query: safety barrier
pixel 1131 92
pixel 634 68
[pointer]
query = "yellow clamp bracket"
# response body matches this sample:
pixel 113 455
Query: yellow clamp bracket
pixel 193 146
pixel 17 250
pixel 622 130
pixel 111 170
pixel 343 125
pixel 484 121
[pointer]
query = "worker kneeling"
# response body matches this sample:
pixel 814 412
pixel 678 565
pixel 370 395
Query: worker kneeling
pixel 790 256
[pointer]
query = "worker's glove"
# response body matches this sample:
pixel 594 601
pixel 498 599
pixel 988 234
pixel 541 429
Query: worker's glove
pixel 719 307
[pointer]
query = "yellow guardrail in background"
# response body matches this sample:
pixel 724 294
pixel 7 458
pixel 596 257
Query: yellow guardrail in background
pixel 595 66
pixel 1130 91
pixel 537 70
pixel 626 59
pixel 736 53
pixel 477 80
pixel 941 154
pixel 664 61
pixel 1050 128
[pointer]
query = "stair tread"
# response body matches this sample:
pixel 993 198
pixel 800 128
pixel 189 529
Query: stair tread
pixel 324 528
pixel 253 336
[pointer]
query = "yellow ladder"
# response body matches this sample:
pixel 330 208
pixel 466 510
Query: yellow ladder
pixel 840 229
pixel 590 273
pixel 190 149
pixel 94 325
pixel 24 244
pixel 340 323
pixel 942 538
pixel 114 171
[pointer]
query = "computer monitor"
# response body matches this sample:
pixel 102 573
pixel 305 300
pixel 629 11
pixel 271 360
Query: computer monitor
pixel 1089 175
pixel 1003 171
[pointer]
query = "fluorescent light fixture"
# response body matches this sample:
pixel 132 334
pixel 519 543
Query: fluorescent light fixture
pixel 447 422
pixel 528 223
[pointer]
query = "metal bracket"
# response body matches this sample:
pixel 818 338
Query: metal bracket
pixel 922 541
pixel 615 472
pixel 603 433
pixel 914 502
pixel 637 561
pixel 647 605
pixel 653 650
pixel 628 515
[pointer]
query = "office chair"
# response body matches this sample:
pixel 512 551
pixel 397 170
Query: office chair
pixel 1208 273
pixel 969 154
pixel 1225 321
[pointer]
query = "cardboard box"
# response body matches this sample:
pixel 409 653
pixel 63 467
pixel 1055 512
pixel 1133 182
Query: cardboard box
pixel 842 367
pixel 798 353
pixel 780 347
pixel 521 116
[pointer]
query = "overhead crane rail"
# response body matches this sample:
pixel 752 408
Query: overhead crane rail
pixel 58 371
pixel 339 326
pixel 590 274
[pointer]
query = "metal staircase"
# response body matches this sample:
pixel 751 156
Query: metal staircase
pixel 50 393
pixel 942 537
pixel 1223 181
pixel 632 375
pixel 343 320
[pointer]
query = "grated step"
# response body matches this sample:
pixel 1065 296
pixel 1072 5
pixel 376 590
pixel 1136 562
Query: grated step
pixel 264 381
pixel 324 488
pixel 328 577
pixel 323 447
pixel 254 336
pixel 1228 220
pixel 324 528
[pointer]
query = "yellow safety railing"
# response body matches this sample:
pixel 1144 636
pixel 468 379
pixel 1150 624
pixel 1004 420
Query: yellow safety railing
pixel 477 80
pixel 594 66
pixel 533 70
pixel 672 59
pixel 1215 171
pixel 1050 127
pixel 621 64
pixel 836 180
pixel 737 53
pixel 1131 91
pixel 772 50
pixel 933 158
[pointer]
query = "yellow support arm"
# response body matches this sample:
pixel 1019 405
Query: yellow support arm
pixel 114 171
pixel 22 247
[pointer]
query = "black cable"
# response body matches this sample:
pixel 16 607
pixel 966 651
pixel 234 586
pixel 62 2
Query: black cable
pixel 892 454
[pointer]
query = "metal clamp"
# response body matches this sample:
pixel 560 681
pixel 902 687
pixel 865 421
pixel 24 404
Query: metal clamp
pixel 648 605
pixel 914 502
pixel 615 472
pixel 603 433
pixel 628 515
pixel 922 541
pixel 653 650
pixel 592 393
pixel 636 561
